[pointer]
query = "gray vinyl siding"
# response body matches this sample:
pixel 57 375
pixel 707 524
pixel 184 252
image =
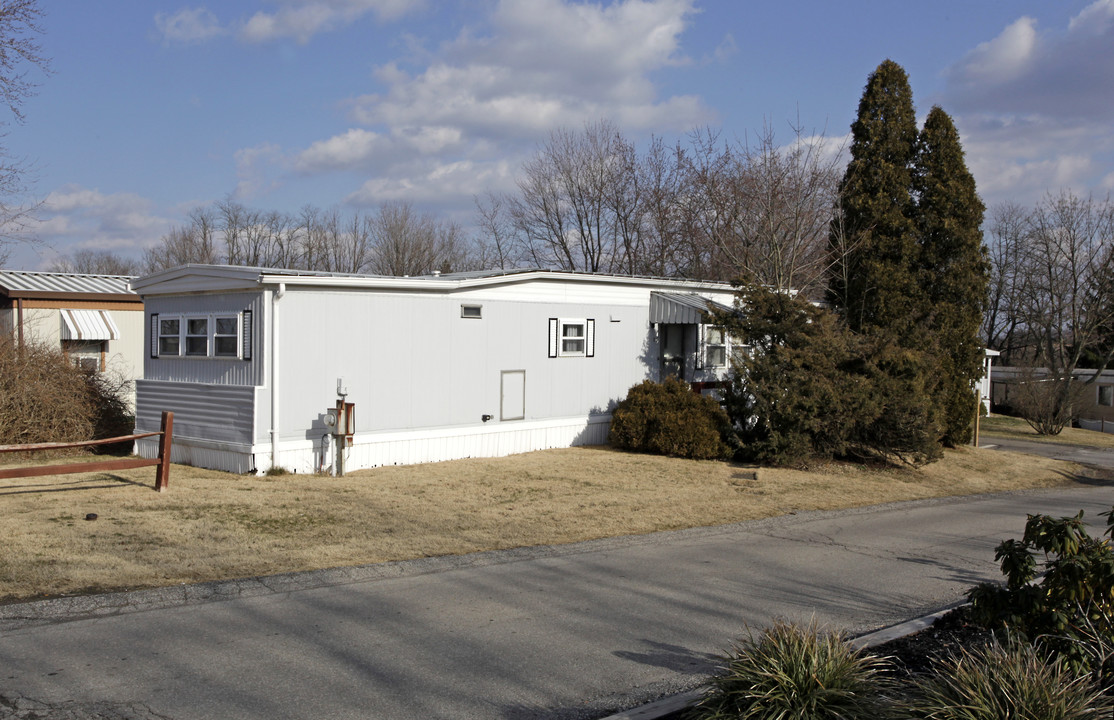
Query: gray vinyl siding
pixel 207 370
pixel 410 361
pixel 210 412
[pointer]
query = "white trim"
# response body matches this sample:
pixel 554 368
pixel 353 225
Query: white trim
pixel 210 318
pixel 375 449
pixel 562 338
pixel 230 278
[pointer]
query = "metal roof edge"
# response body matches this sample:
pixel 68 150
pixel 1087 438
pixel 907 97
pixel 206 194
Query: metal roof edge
pixel 433 282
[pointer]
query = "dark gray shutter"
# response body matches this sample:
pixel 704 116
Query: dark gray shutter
pixel 154 335
pixel 245 341
pixel 554 340
pixel 590 338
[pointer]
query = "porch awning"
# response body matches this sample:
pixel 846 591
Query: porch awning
pixel 683 308
pixel 88 325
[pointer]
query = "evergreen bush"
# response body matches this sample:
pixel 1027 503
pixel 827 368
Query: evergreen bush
pixel 813 389
pixel 1066 602
pixel 668 418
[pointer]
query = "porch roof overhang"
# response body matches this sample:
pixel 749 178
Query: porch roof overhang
pixel 683 308
pixel 88 325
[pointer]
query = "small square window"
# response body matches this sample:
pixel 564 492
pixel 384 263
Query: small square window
pixel 471 311
pixel 572 337
pixel 1106 395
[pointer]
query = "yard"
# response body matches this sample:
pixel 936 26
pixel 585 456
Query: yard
pixel 211 525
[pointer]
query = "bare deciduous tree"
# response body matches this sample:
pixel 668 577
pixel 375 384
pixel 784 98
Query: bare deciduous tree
pixel 578 206
pixel 192 243
pixel 96 262
pixel 1052 295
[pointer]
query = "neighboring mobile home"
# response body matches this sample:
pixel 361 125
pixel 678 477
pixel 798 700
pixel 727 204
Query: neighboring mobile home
pixel 96 319
pixel 438 367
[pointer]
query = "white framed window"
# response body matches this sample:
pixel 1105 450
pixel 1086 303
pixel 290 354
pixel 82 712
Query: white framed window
pixel 1106 395
pixel 170 331
pixel 197 336
pixel 573 338
pixel 226 336
pixel 715 347
pixel 216 335
pixel 475 312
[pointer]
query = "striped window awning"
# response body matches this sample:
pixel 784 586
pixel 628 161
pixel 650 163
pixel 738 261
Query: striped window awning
pixel 88 325
pixel 682 308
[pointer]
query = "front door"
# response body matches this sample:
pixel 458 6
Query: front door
pixel 671 340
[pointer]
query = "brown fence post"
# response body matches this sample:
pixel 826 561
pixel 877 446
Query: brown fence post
pixel 162 473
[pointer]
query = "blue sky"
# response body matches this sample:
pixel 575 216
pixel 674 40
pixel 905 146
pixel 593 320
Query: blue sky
pixel 157 107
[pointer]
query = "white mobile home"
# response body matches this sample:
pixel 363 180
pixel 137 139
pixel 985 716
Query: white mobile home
pixel 438 367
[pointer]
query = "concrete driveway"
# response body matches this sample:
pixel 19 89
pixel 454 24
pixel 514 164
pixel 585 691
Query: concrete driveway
pixel 565 632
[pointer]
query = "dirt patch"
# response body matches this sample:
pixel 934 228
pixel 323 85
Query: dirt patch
pixel 211 525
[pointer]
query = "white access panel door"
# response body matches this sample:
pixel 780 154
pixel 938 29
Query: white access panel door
pixel 513 391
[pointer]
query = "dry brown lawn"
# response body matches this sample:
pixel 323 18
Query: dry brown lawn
pixel 211 525
pixel 1017 428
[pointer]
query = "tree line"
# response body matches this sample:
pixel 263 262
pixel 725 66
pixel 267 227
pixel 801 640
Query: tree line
pixel 1051 300
pixel 590 201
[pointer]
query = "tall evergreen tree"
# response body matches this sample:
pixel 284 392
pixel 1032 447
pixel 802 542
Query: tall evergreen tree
pixel 954 270
pixel 874 282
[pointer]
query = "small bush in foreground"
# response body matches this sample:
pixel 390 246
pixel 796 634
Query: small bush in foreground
pixel 796 672
pixel 1005 683
pixel 1070 608
pixel 670 419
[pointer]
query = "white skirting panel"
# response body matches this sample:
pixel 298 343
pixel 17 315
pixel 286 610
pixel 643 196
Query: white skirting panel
pixel 199 453
pixel 394 448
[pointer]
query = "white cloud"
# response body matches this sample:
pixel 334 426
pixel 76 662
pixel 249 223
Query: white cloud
pixel 464 118
pixel 340 152
pixel 302 19
pixel 188 26
pixel 254 169
pixel 543 64
pixel 1005 57
pixel 453 183
pixel 297 19
pixel 75 217
pixel 1064 73
pixel 1034 105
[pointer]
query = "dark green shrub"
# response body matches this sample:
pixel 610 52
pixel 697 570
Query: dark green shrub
pixel 813 389
pixel 796 672
pixel 1065 602
pixel 670 419
pixel 999 682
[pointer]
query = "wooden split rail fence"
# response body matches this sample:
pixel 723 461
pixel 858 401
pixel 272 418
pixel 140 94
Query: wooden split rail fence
pixel 162 473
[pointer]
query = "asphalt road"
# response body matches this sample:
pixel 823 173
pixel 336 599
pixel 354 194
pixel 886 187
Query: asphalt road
pixel 568 632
